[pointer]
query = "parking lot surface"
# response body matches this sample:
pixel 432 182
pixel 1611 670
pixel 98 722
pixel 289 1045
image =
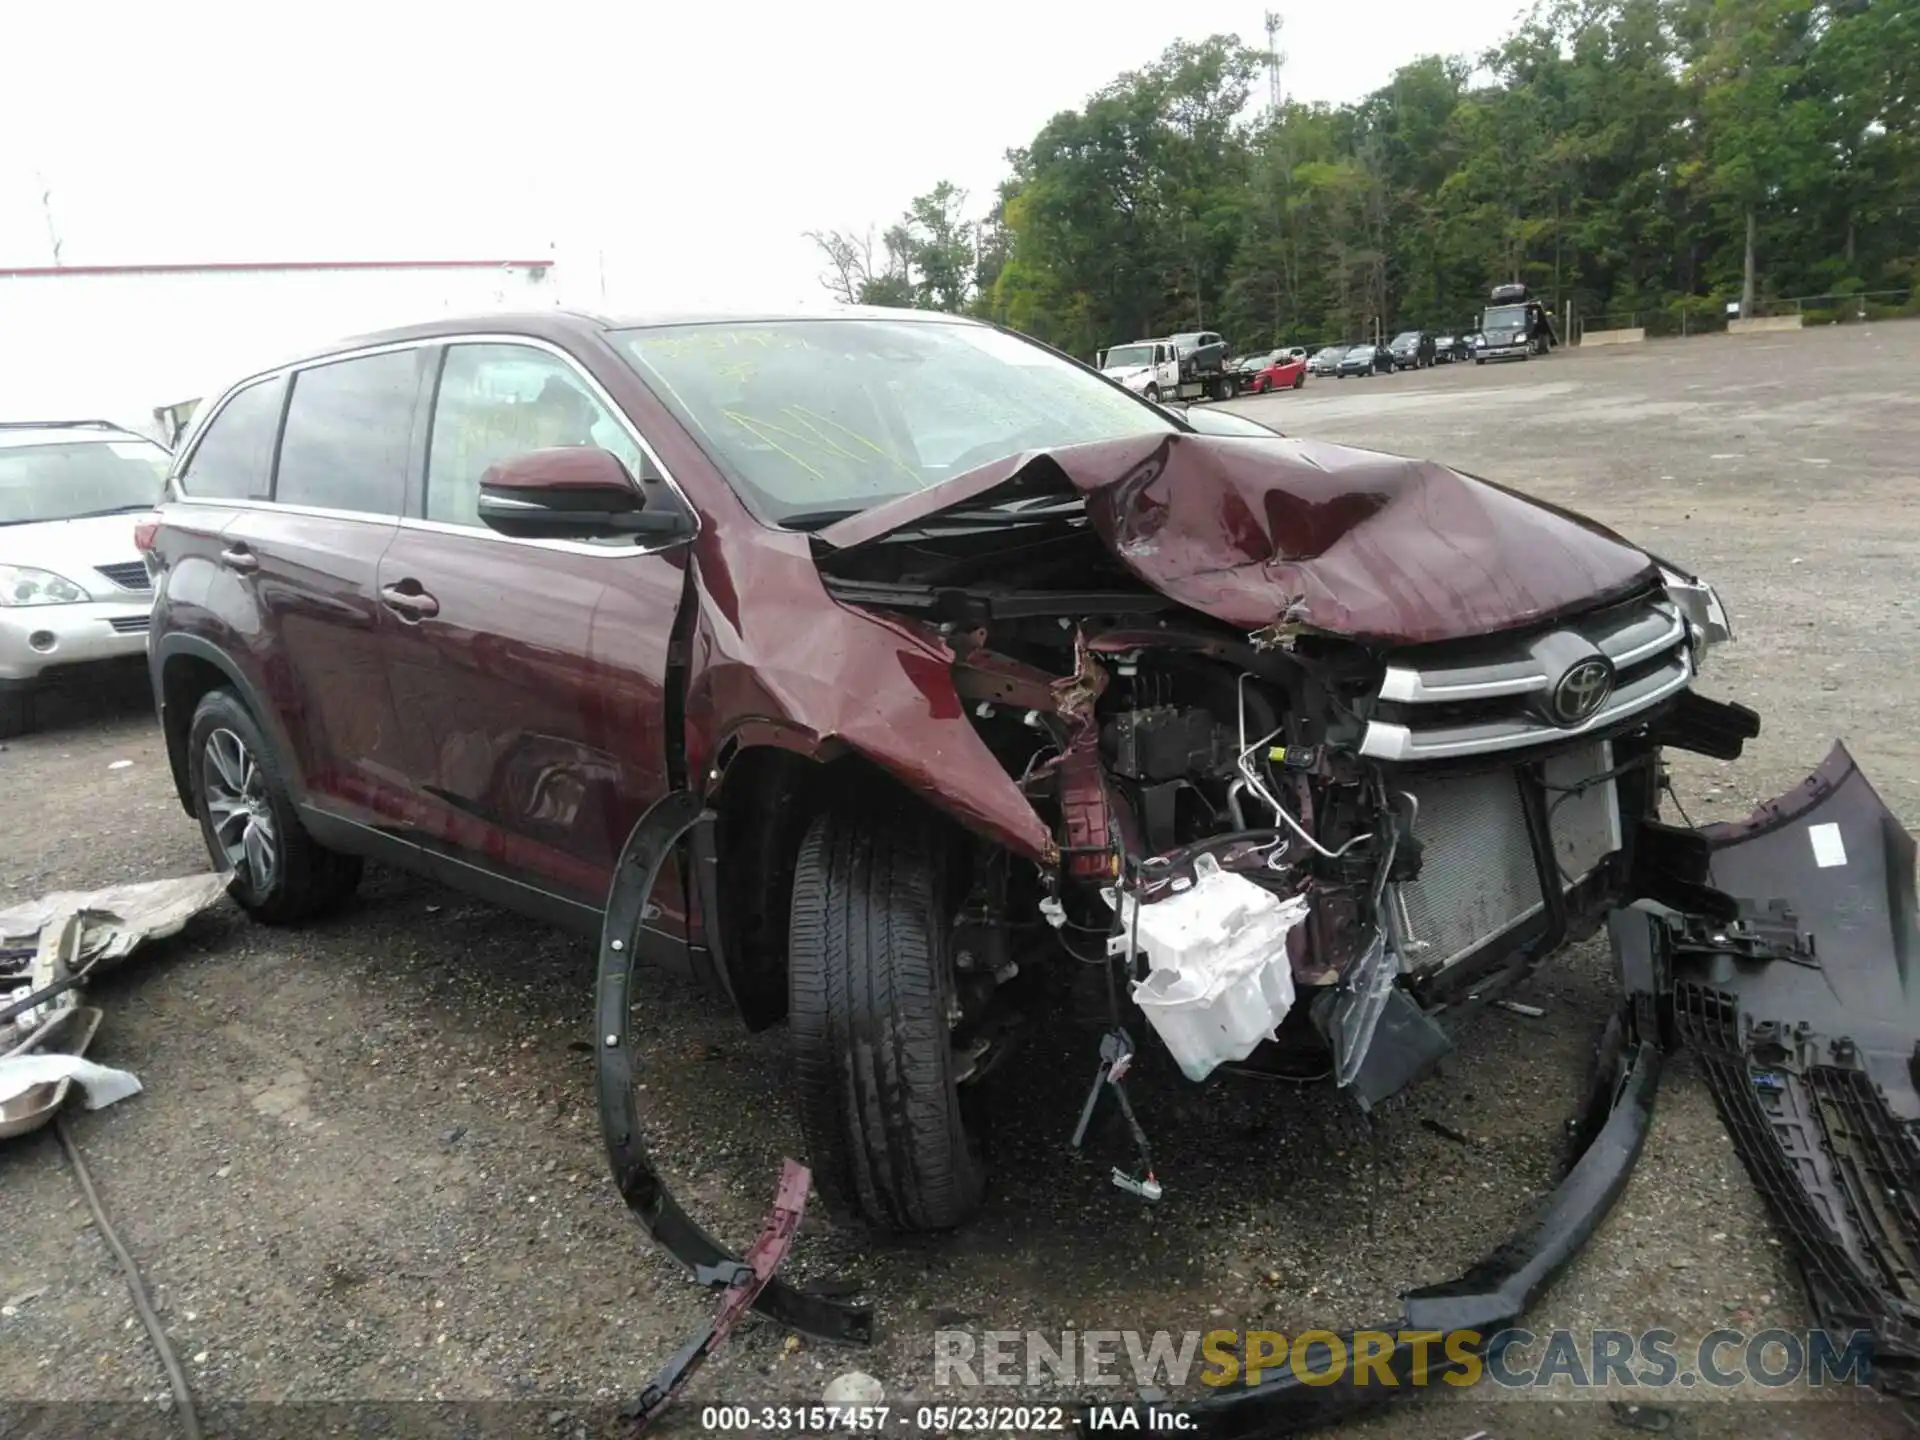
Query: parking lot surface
pixel 366 1165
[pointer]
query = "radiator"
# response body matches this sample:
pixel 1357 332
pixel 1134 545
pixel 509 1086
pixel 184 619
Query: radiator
pixel 1477 878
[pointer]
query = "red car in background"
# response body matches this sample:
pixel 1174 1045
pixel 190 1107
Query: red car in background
pixel 1281 370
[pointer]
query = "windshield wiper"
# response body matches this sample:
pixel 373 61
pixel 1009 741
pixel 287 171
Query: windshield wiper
pixel 1044 508
pixel 819 519
pixel 110 510
pixel 1041 507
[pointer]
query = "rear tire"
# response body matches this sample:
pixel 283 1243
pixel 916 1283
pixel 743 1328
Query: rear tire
pixel 280 874
pixel 869 981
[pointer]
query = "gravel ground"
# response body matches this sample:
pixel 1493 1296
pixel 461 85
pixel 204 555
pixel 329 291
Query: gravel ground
pixel 367 1167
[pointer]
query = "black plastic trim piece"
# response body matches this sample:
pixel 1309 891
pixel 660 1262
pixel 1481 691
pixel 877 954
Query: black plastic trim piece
pixel 658 835
pixel 1714 728
pixel 1488 1298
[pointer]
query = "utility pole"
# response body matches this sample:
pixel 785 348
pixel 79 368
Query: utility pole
pixel 46 209
pixel 1274 60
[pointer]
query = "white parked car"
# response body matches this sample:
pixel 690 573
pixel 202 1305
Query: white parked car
pixel 74 591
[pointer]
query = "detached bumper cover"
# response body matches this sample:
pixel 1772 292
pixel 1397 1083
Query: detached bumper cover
pixel 1806 1016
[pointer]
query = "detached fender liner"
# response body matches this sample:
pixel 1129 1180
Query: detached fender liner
pixel 1488 1298
pixel 660 830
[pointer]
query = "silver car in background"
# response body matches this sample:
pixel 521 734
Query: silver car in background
pixel 74 592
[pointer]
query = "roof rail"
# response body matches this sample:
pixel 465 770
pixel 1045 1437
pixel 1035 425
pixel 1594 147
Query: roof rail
pixel 62 425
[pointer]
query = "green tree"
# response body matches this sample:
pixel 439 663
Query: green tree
pixel 1646 156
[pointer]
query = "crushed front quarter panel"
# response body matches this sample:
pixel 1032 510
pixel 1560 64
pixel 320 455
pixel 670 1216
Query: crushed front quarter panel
pixel 771 649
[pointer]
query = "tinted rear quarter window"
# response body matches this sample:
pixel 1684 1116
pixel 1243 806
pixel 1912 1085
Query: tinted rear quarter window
pixel 235 457
pixel 348 432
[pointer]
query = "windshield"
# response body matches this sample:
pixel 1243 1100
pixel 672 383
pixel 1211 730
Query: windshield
pixel 813 419
pixel 1505 317
pixel 72 479
pixel 1406 338
pixel 1127 357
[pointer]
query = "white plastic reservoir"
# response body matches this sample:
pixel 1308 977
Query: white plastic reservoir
pixel 1218 980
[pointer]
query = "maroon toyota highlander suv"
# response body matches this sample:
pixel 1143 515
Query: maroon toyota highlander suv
pixel 869 666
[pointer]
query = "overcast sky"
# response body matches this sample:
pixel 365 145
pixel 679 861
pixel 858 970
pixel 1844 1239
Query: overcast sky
pixel 691 143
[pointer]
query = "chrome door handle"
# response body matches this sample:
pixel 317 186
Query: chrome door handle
pixel 239 558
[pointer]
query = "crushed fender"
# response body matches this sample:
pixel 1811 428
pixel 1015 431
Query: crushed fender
pixel 744 1280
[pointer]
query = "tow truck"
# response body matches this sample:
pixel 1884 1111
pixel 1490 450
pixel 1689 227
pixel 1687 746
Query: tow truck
pixel 1193 365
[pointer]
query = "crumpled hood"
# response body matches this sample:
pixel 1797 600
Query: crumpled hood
pixel 1334 539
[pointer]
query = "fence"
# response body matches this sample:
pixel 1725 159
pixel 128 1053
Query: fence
pixel 1697 315
pixel 1707 314
pixel 1846 307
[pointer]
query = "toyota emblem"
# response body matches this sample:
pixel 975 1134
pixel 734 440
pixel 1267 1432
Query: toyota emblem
pixel 1582 691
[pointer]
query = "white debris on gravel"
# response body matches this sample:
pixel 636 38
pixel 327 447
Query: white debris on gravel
pixel 856 1387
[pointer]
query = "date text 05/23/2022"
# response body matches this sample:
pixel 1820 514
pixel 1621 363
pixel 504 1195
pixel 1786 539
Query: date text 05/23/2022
pixel 913 1420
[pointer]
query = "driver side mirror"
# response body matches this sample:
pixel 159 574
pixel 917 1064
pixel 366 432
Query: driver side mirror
pixel 573 492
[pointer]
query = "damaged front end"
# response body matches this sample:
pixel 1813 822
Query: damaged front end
pixel 1311 750
pixel 1330 743
pixel 1786 963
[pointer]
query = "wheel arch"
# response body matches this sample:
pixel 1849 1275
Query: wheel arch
pixel 762 795
pixel 184 668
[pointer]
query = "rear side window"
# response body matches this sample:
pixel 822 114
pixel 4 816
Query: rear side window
pixel 349 426
pixel 233 458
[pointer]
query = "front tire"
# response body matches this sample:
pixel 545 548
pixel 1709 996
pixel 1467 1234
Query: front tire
pixel 869 988
pixel 253 833
pixel 1152 392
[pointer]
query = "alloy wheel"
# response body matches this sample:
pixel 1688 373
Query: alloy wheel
pixel 239 810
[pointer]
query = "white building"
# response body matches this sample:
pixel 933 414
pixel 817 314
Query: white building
pixel 116 342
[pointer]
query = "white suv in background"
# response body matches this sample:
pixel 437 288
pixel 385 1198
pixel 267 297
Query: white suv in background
pixel 74 592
